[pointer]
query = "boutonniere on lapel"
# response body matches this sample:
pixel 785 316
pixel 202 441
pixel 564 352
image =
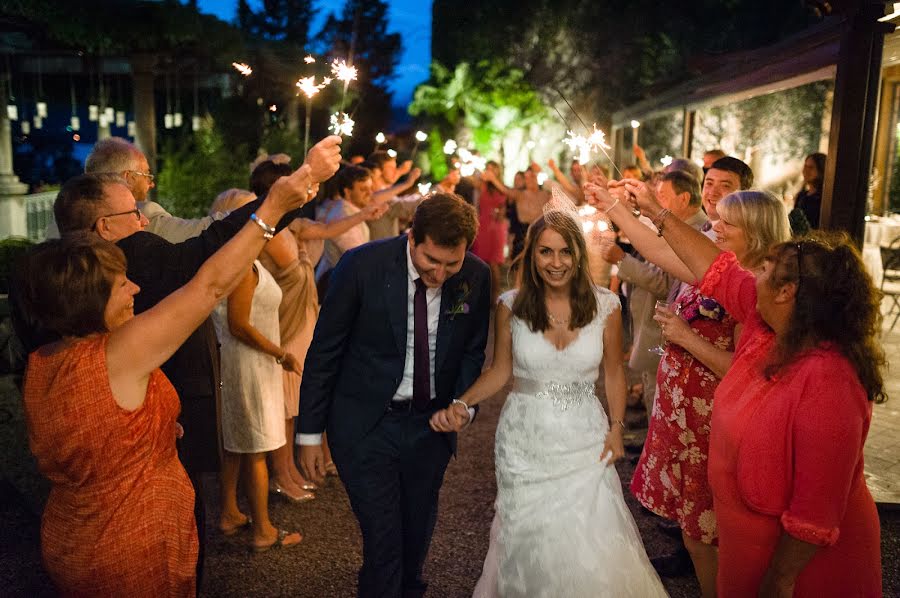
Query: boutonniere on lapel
pixel 460 307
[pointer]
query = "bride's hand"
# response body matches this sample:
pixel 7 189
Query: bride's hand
pixel 614 447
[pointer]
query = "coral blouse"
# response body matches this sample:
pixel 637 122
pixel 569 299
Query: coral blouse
pixel 786 455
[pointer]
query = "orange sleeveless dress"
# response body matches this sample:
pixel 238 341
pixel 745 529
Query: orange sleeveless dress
pixel 120 517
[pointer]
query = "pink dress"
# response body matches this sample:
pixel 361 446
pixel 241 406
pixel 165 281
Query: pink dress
pixel 492 225
pixel 786 456
pixel 670 478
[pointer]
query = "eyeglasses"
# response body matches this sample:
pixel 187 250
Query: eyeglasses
pixel 146 174
pixel 136 212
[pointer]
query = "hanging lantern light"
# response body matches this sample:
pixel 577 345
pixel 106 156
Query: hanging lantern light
pixel 102 121
pixel 41 109
pixel 176 119
pixel 93 112
pixel 26 127
pixel 132 129
pixel 38 122
pixel 110 113
pixel 167 121
pixel 120 118
pixel 12 111
pixel 75 123
pixel 195 123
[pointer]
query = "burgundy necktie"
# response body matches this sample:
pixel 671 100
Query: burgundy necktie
pixel 421 374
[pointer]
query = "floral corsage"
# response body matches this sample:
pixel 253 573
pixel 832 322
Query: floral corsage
pixel 460 307
pixel 705 308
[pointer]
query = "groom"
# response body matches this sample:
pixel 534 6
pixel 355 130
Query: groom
pixel 401 333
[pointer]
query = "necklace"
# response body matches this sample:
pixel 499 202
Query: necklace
pixel 557 320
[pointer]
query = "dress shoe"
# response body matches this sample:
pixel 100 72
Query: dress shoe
pixel 675 564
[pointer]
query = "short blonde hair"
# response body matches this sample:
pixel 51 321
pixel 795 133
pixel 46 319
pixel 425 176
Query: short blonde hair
pixel 763 219
pixel 231 199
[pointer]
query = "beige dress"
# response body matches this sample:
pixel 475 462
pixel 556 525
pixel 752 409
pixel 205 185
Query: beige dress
pixel 252 387
pixel 297 316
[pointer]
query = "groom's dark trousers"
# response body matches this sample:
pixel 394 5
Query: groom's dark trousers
pixel 390 461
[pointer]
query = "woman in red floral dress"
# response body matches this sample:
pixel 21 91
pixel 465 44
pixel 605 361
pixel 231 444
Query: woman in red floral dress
pixel 670 478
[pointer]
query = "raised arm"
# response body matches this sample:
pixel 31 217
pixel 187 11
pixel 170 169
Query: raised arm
pixel 568 186
pixel 398 188
pixel 513 194
pixel 149 339
pixel 691 246
pixel 312 229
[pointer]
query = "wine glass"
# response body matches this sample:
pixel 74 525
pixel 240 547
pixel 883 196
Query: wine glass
pixel 661 347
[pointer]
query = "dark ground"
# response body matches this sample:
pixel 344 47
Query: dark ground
pixel 325 564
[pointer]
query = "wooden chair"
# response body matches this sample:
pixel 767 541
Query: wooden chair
pixel 890 283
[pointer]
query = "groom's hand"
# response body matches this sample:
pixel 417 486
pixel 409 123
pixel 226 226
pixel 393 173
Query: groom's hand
pixel 312 462
pixel 451 419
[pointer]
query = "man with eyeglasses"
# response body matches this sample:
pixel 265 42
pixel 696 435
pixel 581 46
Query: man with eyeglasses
pixel 105 204
pixel 119 156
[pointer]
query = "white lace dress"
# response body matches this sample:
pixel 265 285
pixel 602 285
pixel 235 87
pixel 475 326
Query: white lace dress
pixel 561 527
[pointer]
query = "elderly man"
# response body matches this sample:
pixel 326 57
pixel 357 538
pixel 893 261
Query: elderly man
pixel 679 192
pixel 119 156
pixel 159 267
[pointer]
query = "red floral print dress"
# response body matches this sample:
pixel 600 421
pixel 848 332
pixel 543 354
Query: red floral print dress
pixel 670 478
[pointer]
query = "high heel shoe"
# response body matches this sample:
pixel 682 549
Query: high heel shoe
pixel 275 488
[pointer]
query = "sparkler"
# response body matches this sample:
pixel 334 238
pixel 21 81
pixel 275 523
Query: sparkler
pixel 635 125
pixel 424 188
pixel 310 88
pixel 309 60
pixel 342 124
pixel 595 133
pixel 242 68
pixel 450 147
pixel 343 72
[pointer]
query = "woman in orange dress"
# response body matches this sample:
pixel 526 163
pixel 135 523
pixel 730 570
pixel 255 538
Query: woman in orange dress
pixel 791 416
pixel 101 415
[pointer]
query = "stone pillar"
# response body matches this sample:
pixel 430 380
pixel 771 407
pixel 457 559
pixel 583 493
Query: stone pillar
pixel 13 218
pixel 142 70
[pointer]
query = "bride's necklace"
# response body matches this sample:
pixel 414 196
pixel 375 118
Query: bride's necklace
pixel 557 320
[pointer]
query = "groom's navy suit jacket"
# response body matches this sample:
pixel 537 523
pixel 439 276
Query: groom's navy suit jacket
pixel 358 352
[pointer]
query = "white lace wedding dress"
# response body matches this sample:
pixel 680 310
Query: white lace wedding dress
pixel 562 528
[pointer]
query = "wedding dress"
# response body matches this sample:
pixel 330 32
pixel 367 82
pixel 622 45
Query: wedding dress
pixel 561 526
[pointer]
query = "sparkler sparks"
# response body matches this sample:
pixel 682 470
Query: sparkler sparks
pixel 421 136
pixel 343 72
pixel 309 86
pixel 242 68
pixel 424 188
pixel 380 138
pixel 341 124
pixel 450 147
pixel 309 60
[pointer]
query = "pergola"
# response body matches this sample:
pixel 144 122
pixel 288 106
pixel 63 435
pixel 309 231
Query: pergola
pixel 846 47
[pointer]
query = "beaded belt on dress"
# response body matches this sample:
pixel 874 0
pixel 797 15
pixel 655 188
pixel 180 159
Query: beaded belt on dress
pixel 563 394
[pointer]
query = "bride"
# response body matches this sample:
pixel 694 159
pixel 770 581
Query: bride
pixel 561 527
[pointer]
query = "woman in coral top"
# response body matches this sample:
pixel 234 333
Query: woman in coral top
pixel 790 417
pixel 101 414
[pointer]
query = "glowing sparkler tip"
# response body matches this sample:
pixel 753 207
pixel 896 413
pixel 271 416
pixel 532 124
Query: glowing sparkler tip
pixel 309 60
pixel 392 153
pixel 343 71
pixel 635 124
pixel 380 138
pixel 424 188
pixel 450 147
pixel 666 160
pixel 242 68
pixel 421 136
pixel 308 86
pixel 342 124
pixel 273 108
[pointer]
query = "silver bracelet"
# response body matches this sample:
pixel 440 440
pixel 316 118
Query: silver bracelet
pixel 461 402
pixel 620 422
pixel 615 203
pixel 268 231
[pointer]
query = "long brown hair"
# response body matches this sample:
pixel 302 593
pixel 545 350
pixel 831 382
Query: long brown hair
pixel 835 302
pixel 529 304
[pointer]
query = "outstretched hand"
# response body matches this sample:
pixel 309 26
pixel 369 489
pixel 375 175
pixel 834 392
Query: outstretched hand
pixel 598 195
pixel 324 158
pixel 451 419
